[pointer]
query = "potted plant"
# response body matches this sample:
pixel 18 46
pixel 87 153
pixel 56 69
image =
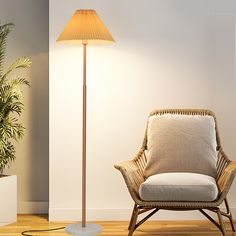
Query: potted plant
pixel 11 129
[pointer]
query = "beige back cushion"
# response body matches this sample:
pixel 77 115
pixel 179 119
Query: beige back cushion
pixel 181 143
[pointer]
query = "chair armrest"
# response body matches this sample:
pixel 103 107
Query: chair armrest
pixel 226 178
pixel 132 172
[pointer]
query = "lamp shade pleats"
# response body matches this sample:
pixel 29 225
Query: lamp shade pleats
pixel 85 27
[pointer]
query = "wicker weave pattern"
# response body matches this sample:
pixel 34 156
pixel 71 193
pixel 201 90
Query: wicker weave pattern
pixel 222 163
pixel 133 170
pixel 227 176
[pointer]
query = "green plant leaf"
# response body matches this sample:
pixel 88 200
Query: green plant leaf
pixel 11 105
pixel 5 29
pixel 22 62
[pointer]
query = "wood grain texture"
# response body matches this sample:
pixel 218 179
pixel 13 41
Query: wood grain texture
pixel 117 228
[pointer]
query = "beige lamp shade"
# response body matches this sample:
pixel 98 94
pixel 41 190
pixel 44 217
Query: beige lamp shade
pixel 85 27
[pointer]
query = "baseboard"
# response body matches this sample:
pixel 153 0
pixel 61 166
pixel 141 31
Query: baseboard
pixel 30 207
pixel 67 214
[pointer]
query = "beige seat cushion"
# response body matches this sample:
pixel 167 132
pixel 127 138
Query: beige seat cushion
pixel 179 187
pixel 181 143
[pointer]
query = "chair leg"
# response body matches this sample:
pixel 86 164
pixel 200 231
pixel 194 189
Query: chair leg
pixel 133 220
pixel 132 216
pixel 229 215
pixel 222 226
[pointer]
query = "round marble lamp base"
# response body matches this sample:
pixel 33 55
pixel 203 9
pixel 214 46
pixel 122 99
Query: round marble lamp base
pixel 89 230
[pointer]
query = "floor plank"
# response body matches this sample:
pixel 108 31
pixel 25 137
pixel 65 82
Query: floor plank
pixel 117 228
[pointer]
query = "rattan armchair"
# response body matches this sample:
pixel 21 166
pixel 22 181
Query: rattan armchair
pixel 133 173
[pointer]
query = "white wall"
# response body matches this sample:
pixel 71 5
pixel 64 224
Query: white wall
pixel 168 54
pixel 30 38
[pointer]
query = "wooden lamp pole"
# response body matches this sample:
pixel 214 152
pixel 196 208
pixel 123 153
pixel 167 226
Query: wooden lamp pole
pixel 84 145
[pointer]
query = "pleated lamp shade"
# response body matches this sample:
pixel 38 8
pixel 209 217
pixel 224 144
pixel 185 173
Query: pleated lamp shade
pixel 85 27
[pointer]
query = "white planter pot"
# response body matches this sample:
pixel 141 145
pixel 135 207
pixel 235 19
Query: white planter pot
pixel 8 199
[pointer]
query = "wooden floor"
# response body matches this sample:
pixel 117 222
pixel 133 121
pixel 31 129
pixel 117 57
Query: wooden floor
pixel 117 228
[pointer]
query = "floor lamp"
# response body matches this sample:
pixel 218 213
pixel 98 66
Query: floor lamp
pixel 85 27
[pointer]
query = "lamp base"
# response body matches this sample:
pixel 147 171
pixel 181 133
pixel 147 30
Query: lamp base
pixel 89 230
